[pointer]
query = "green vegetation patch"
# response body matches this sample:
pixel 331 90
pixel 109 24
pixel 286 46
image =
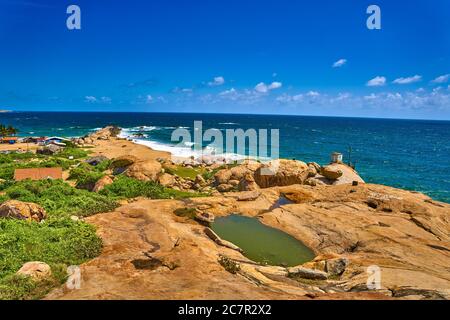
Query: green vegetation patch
pixel 86 175
pixel 125 187
pixel 58 197
pixel 184 172
pixel 57 242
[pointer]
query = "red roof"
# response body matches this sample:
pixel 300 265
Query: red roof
pixel 38 174
pixel 9 138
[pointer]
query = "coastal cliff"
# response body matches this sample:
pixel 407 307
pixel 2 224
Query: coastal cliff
pixel 152 253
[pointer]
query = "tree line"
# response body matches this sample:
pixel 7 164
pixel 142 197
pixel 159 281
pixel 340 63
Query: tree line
pixel 6 131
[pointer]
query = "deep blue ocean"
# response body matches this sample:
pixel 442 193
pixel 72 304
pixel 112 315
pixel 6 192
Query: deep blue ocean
pixel 407 154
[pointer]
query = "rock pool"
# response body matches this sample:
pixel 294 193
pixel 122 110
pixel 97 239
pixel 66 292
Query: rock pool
pixel 262 243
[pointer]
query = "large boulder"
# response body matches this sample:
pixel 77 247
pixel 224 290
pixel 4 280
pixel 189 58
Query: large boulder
pixel 204 216
pixel 336 267
pixel 166 180
pixel 282 173
pixel 236 173
pixel 36 270
pixel 224 187
pixel 104 134
pixel 102 183
pixel 49 150
pixel 331 172
pixel 349 175
pixel 93 161
pixel 22 210
pixel 123 161
pixel 144 170
pixel 247 183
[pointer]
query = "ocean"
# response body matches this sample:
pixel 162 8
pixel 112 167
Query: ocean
pixel 407 154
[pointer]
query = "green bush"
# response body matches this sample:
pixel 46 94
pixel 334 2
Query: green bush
pixel 85 175
pixel 76 153
pixel 57 242
pixel 102 166
pixel 59 198
pixel 124 187
pixel 15 156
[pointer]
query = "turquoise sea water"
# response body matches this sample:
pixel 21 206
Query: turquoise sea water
pixel 408 154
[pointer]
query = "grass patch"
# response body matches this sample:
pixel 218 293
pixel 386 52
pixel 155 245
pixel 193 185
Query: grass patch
pixel 59 198
pixel 183 172
pixel 57 242
pixel 76 153
pixel 125 187
pixel 12 161
pixel 86 175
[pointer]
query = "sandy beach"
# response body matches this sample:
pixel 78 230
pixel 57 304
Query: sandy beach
pixel 18 146
pixel 117 147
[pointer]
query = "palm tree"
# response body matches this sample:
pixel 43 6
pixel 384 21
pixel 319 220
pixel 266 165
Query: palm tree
pixel 7 131
pixel 2 130
pixel 11 130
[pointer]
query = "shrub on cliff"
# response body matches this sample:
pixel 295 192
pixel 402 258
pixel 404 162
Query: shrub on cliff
pixel 59 198
pixel 86 176
pixel 57 242
pixel 125 187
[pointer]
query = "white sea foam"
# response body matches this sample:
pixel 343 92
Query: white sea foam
pixel 177 151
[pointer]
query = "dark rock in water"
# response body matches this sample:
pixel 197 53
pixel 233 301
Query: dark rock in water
pixel 96 160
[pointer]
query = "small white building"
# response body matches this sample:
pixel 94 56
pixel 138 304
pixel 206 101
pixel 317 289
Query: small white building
pixel 336 157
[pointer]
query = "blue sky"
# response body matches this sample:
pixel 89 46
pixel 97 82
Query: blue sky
pixel 283 57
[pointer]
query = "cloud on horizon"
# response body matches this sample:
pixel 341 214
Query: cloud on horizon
pixel 264 88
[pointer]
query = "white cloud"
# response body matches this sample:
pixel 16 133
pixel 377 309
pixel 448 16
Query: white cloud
pixel 408 80
pixel 232 91
pixel 343 96
pixel 217 81
pixel 264 88
pixel 105 99
pixel 275 85
pixel 377 82
pixel 339 63
pixel 261 87
pixel 286 98
pixel 182 90
pixel 313 94
pixel 149 99
pixel 442 79
pixel 90 99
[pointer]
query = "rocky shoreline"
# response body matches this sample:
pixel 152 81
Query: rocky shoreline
pixel 152 253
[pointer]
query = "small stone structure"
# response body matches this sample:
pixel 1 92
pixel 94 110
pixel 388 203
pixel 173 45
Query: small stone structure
pixel 336 157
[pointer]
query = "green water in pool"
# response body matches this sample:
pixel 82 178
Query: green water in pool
pixel 262 243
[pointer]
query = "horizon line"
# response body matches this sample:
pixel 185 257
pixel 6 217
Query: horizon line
pixel 231 113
